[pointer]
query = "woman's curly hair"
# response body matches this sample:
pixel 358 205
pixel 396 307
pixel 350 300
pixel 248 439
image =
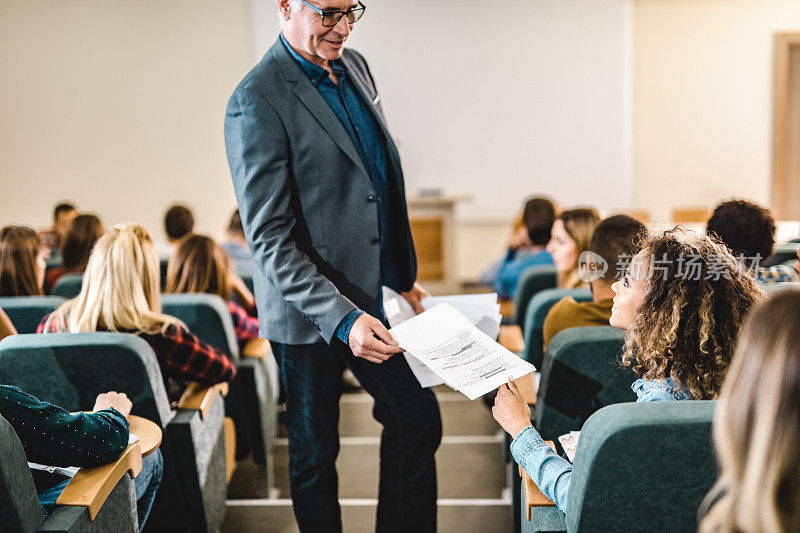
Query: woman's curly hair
pixel 697 296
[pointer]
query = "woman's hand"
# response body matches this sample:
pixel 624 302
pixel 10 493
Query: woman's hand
pixel 510 409
pixel 415 297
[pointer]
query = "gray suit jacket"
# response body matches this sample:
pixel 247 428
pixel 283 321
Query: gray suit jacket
pixel 307 203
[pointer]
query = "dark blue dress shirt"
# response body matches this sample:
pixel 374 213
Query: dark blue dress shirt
pixel 361 124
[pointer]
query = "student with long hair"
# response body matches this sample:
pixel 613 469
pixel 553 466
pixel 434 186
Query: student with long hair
pixel 571 236
pixel 200 265
pixel 23 261
pixel 757 424
pixel 682 301
pixel 81 235
pixel 120 293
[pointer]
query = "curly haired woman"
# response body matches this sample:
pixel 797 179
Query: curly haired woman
pixel 682 301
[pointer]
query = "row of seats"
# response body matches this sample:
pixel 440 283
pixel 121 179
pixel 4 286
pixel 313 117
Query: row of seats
pixel 193 492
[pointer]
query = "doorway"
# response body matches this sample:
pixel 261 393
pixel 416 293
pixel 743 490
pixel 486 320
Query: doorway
pixel 786 133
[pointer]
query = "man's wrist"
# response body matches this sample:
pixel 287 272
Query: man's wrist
pixel 342 331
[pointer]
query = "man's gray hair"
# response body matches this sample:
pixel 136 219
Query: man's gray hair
pixel 294 6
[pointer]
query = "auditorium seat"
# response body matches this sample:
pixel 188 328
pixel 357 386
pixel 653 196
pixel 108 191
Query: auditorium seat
pixel 539 306
pixel 785 286
pixel 638 467
pixel 68 286
pixel 580 374
pixel 70 370
pixel 783 253
pixel 19 503
pixel 207 316
pixel 531 281
pixel 26 312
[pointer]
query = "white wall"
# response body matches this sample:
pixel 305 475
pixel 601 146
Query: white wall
pixel 119 106
pixel 703 81
pixel 500 100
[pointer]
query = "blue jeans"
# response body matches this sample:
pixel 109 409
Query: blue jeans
pixel 412 431
pixel 146 485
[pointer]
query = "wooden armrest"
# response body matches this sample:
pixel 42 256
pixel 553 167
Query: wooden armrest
pixel 511 338
pixel 533 496
pixel 506 307
pixel 257 347
pixel 199 397
pixel 527 386
pixel 90 487
pixel 230 448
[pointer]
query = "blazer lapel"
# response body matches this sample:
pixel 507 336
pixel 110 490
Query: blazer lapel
pixel 360 83
pixel 315 103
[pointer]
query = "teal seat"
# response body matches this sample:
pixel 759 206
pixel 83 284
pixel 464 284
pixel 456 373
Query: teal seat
pixel 26 312
pixel 19 502
pixel 71 369
pixel 638 467
pixel 534 279
pixel 533 327
pixel 581 373
pixel 782 254
pixel 68 286
pixel 247 277
pixel 207 316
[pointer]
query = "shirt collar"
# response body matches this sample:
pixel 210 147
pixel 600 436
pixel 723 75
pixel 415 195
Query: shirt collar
pixel 314 72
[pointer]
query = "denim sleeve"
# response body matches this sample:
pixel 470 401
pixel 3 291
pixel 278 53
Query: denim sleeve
pixel 551 472
pixel 657 394
pixel 343 329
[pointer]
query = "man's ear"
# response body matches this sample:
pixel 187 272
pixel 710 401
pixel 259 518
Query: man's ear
pixel 284 9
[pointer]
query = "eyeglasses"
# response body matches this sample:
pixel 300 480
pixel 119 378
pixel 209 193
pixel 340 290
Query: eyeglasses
pixel 332 18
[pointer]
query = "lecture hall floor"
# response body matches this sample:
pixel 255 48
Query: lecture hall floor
pixel 472 478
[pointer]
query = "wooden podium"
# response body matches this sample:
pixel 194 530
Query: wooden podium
pixel 432 221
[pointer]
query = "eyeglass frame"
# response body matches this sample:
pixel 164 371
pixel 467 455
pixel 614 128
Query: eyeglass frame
pixel 341 14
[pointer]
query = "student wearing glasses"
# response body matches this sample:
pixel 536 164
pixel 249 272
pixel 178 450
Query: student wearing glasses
pixel 321 196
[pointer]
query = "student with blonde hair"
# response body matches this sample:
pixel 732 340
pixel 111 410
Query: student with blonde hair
pixel 757 426
pixel 121 293
pixel 199 264
pixel 23 261
pixel 683 324
pixel 570 237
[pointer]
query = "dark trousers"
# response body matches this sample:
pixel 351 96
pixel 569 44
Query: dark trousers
pixel 412 431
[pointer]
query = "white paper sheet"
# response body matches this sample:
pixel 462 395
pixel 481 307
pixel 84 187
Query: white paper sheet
pixel 480 309
pixel 462 355
pixel 398 310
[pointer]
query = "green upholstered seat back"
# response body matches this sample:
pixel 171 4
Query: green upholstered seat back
pixel 26 312
pixel 71 369
pixel 69 285
pixel 532 280
pixel 19 505
pixel 537 311
pixel 207 316
pixel 642 467
pixel 581 373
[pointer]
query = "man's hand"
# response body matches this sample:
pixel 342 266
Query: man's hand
pixel 370 340
pixel 117 400
pixel 414 296
pixel 510 409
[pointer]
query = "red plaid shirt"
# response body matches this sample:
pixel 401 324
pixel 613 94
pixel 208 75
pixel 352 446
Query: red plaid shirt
pixel 181 355
pixel 246 326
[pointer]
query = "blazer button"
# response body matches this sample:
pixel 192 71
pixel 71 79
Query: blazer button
pixel 375 240
pixel 372 199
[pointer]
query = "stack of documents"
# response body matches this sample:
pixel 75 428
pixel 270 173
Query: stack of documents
pixel 444 344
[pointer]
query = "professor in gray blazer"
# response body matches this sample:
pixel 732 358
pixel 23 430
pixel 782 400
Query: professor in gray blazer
pixel 321 195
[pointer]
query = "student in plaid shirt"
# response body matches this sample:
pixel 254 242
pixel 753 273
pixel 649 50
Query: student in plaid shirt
pixel 120 293
pixel 200 265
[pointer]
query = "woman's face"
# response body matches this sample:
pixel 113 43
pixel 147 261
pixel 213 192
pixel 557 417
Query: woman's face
pixel 630 291
pixel 563 249
pixel 41 265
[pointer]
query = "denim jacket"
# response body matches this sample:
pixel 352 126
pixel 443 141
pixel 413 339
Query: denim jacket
pixel 551 472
